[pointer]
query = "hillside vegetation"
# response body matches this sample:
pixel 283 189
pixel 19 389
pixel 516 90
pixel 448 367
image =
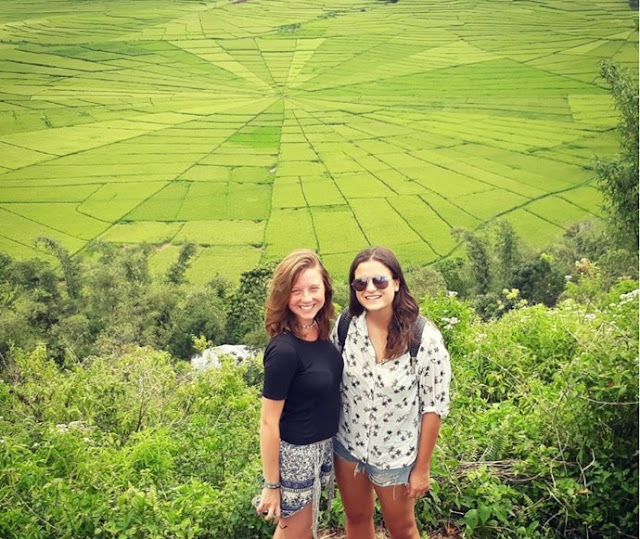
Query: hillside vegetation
pixel 541 440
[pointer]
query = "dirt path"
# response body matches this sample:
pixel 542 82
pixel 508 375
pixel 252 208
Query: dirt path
pixel 381 533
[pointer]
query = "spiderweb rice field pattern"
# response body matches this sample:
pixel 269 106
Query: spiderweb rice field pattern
pixel 255 127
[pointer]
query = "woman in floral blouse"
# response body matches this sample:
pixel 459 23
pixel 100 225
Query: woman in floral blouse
pixel 391 404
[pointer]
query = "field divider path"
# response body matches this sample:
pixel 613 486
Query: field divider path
pixel 175 179
pixel 331 176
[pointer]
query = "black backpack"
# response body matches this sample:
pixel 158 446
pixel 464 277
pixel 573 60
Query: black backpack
pixel 414 348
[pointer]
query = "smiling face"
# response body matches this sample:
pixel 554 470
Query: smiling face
pixel 372 298
pixel 307 295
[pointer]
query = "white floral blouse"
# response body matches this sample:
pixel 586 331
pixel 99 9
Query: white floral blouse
pixel 382 403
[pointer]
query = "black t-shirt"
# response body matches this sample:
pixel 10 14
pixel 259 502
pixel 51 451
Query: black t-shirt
pixel 307 376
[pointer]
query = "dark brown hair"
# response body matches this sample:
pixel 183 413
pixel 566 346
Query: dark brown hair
pixel 279 317
pixel 405 307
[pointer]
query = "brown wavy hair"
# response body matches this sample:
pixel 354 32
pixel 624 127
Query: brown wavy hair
pixel 279 318
pixel 405 307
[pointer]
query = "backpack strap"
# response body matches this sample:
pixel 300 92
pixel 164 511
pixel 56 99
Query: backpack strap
pixel 416 340
pixel 343 327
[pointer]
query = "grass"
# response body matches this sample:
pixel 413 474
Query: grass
pixel 257 127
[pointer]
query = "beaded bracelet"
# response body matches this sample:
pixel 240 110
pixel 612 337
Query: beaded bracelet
pixel 271 486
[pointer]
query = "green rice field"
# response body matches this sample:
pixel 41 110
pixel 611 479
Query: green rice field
pixel 258 126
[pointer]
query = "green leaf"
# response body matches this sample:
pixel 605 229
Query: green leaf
pixel 484 513
pixel 471 518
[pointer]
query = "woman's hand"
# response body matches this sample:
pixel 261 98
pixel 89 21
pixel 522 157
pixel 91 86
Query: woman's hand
pixel 269 505
pixel 419 483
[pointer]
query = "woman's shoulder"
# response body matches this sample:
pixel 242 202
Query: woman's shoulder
pixel 283 343
pixel 430 330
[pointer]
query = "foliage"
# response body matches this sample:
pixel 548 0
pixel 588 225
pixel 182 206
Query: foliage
pixel 424 282
pixel 618 178
pixel 130 446
pixel 541 440
pixel 479 261
pixel 176 272
pixel 542 436
pixel 117 304
pixel 70 266
pixel 539 281
pixel 245 322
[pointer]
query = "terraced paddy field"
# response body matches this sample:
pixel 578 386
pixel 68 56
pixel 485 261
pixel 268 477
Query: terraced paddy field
pixel 255 127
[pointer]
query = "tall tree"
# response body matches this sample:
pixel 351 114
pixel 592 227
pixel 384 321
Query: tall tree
pixel 479 259
pixel 618 178
pixel 70 267
pixel 176 273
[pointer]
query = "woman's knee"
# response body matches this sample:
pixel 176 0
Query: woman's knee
pixel 359 515
pixel 402 528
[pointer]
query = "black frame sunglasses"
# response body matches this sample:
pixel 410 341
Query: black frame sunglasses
pixel 379 281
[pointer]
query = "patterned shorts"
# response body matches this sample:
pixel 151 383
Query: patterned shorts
pixel 304 470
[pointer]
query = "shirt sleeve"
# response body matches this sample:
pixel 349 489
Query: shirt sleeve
pixel 280 366
pixel 435 373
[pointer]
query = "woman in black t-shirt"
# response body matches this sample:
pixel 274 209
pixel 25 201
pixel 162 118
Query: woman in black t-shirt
pixel 301 395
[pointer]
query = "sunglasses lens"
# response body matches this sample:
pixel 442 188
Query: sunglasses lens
pixel 359 284
pixel 380 282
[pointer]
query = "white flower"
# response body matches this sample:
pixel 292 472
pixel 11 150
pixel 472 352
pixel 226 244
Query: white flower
pixel 450 322
pixel 568 277
pixel 590 316
pixel 630 296
pixel 452 293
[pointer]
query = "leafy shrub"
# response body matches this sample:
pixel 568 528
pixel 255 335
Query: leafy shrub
pixel 129 446
pixel 542 436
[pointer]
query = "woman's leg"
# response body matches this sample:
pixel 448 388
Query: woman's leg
pixel 398 512
pixel 356 493
pixel 297 526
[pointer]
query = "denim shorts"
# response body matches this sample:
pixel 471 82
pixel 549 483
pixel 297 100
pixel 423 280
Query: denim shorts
pixel 381 478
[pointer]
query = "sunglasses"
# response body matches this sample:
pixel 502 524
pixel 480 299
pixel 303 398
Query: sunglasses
pixel 379 281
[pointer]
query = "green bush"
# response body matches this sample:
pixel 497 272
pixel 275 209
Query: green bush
pixel 129 446
pixel 541 440
pixel 542 436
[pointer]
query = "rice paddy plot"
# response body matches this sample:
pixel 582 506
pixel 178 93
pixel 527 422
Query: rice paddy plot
pixel 222 233
pixel 285 124
pixel 58 194
pixel 225 201
pixel 361 185
pixel 337 230
pixel 538 231
pixel 490 204
pixel 321 191
pixel 422 218
pixel 13 157
pixel 229 261
pixel 64 214
pixel 24 231
pixel 163 205
pixel 556 210
pixel 287 193
pixel 141 232
pixel 207 173
pixel 289 229
pixel 586 197
pixel 381 224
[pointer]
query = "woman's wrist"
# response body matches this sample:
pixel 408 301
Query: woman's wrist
pixel 271 486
